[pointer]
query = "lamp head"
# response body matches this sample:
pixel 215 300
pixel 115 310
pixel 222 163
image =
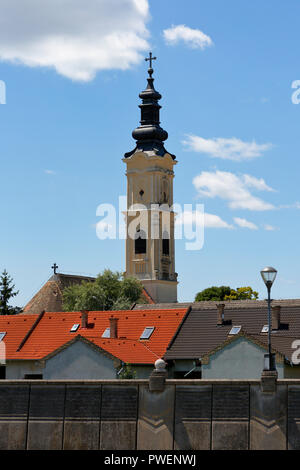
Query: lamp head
pixel 268 274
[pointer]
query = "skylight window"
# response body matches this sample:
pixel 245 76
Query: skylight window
pixel 75 327
pixel 265 329
pixel 106 333
pixel 235 330
pixel 147 332
pixel 2 334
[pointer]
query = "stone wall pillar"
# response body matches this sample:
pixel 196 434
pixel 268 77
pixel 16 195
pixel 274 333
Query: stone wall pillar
pixel 156 412
pixel 268 414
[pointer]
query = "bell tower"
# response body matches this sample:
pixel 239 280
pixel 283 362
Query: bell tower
pixel 150 250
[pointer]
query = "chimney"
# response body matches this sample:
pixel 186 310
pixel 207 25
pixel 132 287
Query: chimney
pixel 220 319
pixel 113 327
pixel 84 318
pixel 276 317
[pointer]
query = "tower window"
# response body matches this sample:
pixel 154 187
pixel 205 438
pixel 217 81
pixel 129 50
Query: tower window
pixel 140 243
pixel 165 244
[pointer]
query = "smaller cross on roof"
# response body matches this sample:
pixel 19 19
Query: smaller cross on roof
pixel 54 267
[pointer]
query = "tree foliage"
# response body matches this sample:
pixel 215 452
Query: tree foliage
pixel 7 292
pixel 226 293
pixel 127 372
pixel 213 293
pixel 242 293
pixel 109 291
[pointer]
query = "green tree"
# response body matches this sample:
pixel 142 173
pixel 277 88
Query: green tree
pixel 127 372
pixel 213 293
pixel 226 293
pixel 6 293
pixel 242 293
pixel 109 291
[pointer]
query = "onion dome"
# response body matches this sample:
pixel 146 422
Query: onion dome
pixel 149 135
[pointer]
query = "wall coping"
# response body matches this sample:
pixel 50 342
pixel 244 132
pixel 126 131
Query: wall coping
pixel 144 382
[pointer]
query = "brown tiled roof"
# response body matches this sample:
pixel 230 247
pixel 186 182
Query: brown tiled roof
pixel 200 334
pixel 49 297
pixel 233 304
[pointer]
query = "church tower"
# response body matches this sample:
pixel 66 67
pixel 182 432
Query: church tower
pixel 150 250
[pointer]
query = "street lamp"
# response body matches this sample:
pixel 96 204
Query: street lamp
pixel 269 274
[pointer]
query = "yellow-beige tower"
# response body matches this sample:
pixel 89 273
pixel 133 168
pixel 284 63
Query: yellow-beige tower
pixel 150 248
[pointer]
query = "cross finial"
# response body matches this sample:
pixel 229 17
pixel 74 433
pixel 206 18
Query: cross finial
pixel 150 58
pixel 54 267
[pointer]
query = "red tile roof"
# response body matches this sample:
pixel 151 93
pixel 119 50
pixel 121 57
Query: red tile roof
pixel 53 332
pixel 147 297
pixel 15 327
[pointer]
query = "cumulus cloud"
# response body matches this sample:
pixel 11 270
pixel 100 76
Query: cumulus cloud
pixel 227 149
pixel 232 188
pixel 210 220
pixel 193 38
pixel 295 205
pixel 50 172
pixel 76 38
pixel 245 223
pixel 269 228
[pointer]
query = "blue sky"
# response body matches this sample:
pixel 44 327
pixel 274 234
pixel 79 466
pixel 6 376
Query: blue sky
pixel 72 80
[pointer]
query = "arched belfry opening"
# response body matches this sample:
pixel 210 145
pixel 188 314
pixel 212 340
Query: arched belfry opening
pixel 140 242
pixel 166 243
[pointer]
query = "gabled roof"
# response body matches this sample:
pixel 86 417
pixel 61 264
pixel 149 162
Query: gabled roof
pixel 261 342
pixel 53 332
pixel 49 298
pixel 125 351
pixel 200 334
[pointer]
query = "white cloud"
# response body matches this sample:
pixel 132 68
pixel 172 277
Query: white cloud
pixel 245 223
pixel 191 37
pixel 257 183
pixel 50 172
pixel 210 220
pixel 77 38
pixel 233 189
pixel 269 228
pixel 296 205
pixel 227 149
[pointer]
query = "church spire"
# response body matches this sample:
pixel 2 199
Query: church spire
pixel 149 135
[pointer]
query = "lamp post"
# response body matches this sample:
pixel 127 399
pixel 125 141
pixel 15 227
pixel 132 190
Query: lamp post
pixel 269 274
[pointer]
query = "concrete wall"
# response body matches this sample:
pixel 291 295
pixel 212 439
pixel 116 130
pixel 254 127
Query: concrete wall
pixel 127 415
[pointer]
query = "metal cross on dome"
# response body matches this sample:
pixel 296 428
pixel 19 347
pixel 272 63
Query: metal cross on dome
pixel 150 58
pixel 54 267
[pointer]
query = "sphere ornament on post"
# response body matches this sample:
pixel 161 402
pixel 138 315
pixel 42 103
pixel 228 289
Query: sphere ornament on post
pixel 160 364
pixel 158 376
